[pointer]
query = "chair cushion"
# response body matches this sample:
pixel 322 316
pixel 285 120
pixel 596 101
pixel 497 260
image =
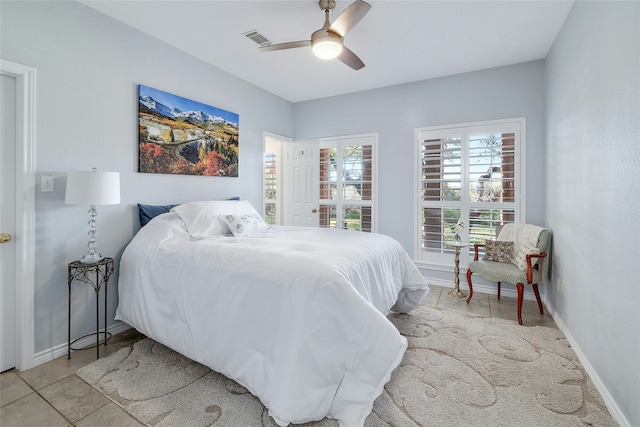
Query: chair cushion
pixel 501 272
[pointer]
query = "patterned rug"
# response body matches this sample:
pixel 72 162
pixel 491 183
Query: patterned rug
pixel 459 370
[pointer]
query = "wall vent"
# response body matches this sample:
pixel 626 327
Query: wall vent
pixel 258 38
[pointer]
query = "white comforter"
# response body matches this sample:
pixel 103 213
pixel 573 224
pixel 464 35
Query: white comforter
pixel 296 315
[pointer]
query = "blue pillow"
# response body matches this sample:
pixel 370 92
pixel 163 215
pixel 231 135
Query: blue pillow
pixel 148 212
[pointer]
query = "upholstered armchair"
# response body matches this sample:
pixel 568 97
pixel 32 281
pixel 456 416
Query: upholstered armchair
pixel 517 257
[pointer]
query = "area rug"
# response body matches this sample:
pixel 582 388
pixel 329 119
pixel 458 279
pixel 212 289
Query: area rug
pixel 459 370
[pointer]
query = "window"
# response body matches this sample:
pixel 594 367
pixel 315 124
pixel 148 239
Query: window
pixel 347 183
pixel 272 172
pixel 469 175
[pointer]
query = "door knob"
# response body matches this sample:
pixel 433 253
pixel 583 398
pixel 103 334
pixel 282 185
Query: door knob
pixel 314 210
pixel 5 237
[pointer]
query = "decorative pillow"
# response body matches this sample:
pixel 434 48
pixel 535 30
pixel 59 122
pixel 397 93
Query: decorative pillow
pixel 498 251
pixel 148 212
pixel 203 219
pixel 245 225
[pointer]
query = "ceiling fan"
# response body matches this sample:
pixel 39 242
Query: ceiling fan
pixel 328 41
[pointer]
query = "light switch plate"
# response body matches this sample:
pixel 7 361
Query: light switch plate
pixel 46 184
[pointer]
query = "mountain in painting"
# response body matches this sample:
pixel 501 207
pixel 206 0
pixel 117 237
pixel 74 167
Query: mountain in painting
pixel 157 107
pixel 194 116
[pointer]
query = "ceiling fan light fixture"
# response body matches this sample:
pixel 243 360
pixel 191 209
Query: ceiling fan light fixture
pixel 326 45
pixel 328 41
pixel 327 49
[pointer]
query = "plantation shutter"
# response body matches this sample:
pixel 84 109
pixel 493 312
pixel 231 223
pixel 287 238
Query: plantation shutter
pixel 347 183
pixel 468 175
pixel 441 185
pixel 272 160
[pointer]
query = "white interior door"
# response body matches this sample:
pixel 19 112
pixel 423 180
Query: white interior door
pixel 8 344
pixel 22 160
pixel 301 189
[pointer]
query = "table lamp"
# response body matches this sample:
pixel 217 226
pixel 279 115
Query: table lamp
pixel 92 188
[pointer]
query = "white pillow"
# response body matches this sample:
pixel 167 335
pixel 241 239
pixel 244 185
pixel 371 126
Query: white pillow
pixel 245 225
pixel 202 219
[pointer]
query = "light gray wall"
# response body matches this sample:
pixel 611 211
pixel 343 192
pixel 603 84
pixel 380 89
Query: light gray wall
pixel 88 68
pixel 593 189
pixel 394 112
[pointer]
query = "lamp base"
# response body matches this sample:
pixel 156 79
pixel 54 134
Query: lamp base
pixel 90 258
pixel 93 255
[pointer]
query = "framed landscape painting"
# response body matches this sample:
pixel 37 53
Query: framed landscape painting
pixel 180 136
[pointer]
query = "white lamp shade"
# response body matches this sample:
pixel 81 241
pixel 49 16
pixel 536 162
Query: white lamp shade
pixel 92 188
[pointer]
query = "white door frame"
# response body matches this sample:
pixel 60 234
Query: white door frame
pixel 25 210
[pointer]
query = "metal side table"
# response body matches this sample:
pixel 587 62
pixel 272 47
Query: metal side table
pixel 95 275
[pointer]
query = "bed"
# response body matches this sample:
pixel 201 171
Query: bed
pixel 297 315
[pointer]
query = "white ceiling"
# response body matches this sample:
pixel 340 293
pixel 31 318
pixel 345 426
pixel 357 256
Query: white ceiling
pixel 399 41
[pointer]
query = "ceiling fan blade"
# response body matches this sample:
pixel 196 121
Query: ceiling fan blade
pixel 288 45
pixel 350 58
pixel 350 17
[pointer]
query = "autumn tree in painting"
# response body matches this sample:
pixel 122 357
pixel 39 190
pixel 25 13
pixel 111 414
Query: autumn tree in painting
pixel 153 158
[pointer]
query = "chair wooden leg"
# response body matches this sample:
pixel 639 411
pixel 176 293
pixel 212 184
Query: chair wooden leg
pixel 469 273
pixel 535 291
pixel 499 283
pixel 520 288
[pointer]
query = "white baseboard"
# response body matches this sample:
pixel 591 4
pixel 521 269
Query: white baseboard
pixel 507 290
pixel 61 349
pixel 611 405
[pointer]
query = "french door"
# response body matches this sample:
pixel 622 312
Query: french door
pixel 331 183
pixel 347 183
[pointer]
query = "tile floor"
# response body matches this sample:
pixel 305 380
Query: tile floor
pixel 52 395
